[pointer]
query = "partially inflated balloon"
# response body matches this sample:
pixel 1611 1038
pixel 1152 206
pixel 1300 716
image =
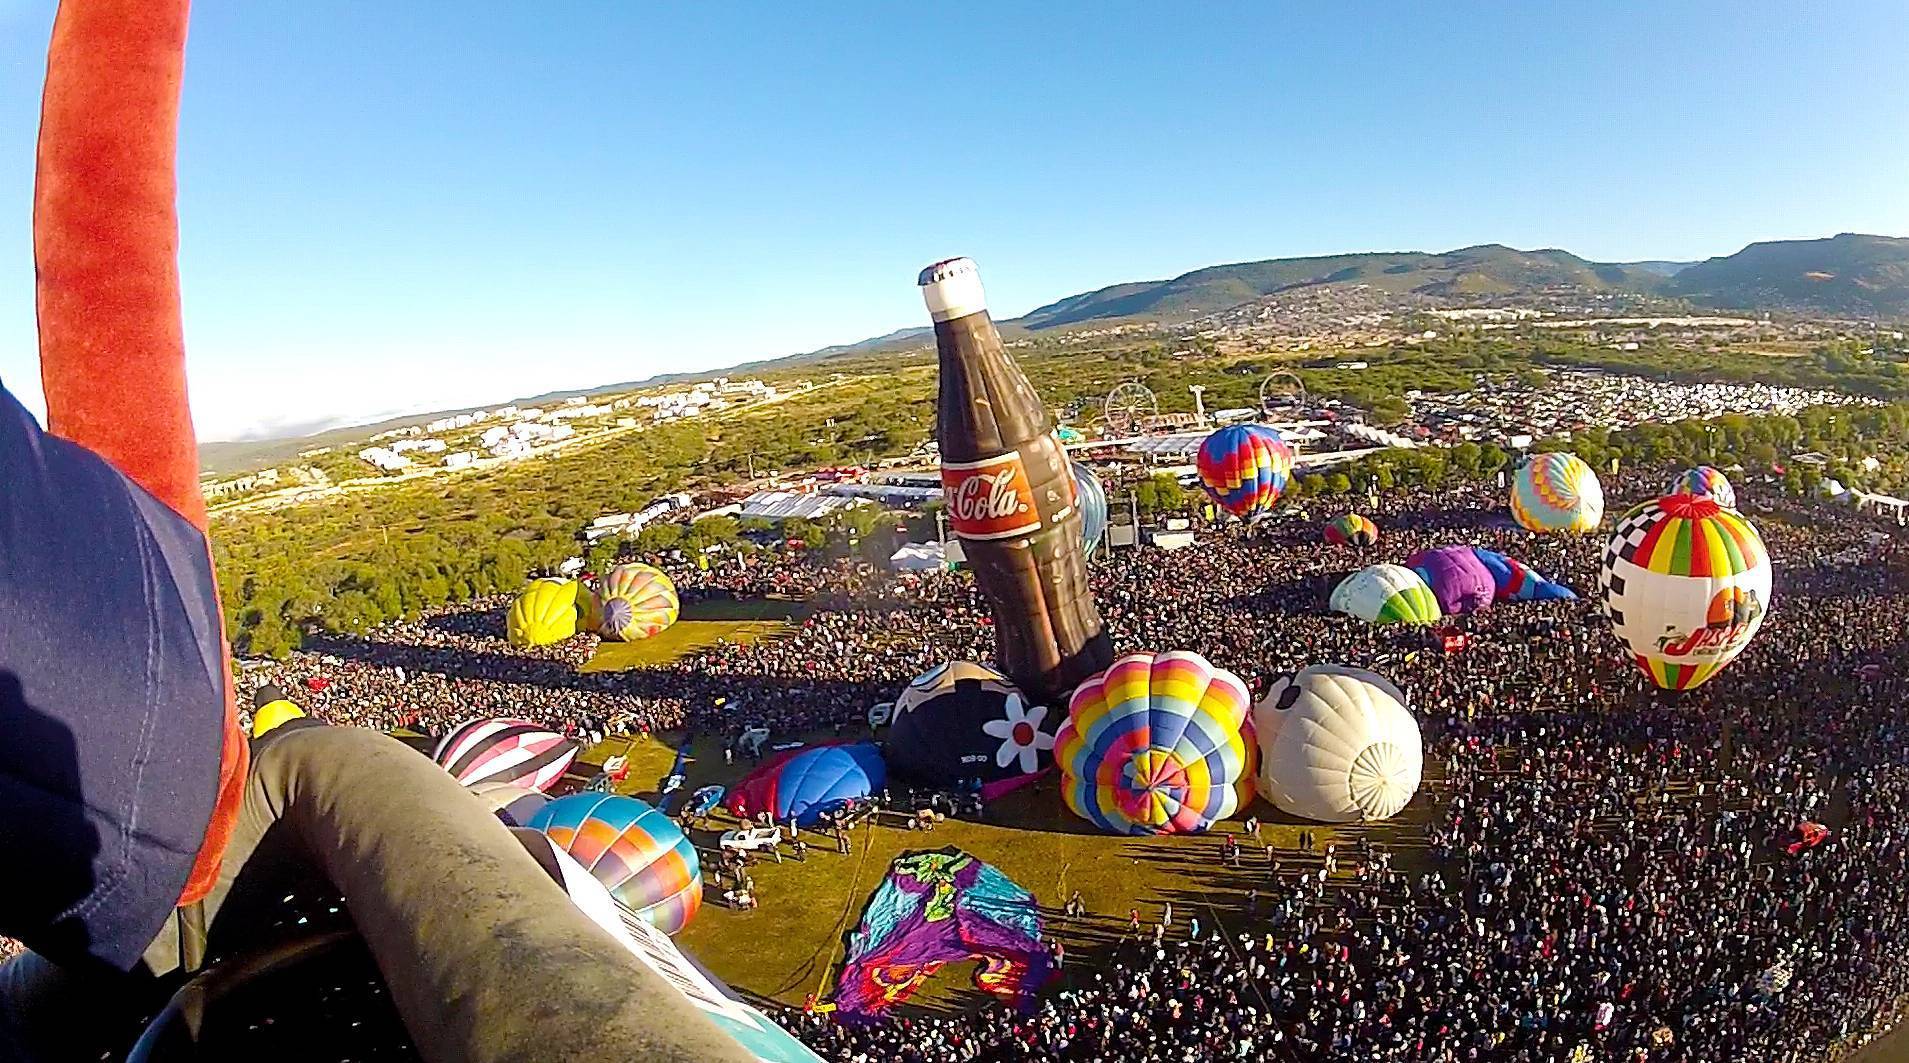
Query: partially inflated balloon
pixel 1091 497
pixel 1352 530
pixel 1459 580
pixel 1337 744
pixel 1704 480
pixel 803 784
pixel 1386 594
pixel 638 853
pixel 544 613
pixel 1244 468
pixel 1686 584
pixel 1517 581
pixel 503 750
pixel 1556 493
pixel 1157 744
pixel 637 601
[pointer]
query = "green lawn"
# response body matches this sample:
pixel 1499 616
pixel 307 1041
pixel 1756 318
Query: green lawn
pixel 703 624
pixel 792 945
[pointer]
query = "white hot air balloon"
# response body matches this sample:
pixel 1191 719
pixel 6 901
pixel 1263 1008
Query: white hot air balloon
pixel 1337 744
pixel 1386 594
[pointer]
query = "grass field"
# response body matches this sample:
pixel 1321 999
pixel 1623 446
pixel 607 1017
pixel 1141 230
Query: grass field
pixel 792 945
pixel 703 623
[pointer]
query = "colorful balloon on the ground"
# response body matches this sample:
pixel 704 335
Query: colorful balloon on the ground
pixel 1157 744
pixel 1459 580
pixel 1704 480
pixel 1686 585
pixel 1519 582
pixel 1556 492
pixel 512 751
pixel 1352 530
pixel 637 601
pixel 1245 468
pixel 544 613
pixel 964 722
pixel 1386 594
pixel 1091 497
pixel 1337 744
pixel 640 855
pixel 802 784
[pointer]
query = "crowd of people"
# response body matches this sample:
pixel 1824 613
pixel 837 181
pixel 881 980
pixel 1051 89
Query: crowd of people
pixel 1607 872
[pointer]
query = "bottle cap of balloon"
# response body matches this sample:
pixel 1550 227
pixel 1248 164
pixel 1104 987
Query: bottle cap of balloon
pixel 952 289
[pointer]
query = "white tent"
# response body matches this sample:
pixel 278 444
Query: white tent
pixel 919 557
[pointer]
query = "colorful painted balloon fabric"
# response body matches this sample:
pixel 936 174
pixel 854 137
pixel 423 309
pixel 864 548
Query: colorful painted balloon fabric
pixel 1686 585
pixel 941 907
pixel 510 751
pixel 1556 493
pixel 639 854
pixel 1704 480
pixel 1386 594
pixel 1244 468
pixel 1352 530
pixel 637 601
pixel 1092 499
pixel 1157 744
pixel 801 784
pixel 544 613
pixel 1519 582
pixel 1459 580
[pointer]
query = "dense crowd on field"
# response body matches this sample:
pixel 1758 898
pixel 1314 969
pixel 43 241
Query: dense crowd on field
pixel 1609 871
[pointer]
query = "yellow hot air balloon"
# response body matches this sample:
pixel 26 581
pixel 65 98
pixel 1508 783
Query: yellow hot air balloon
pixel 1556 492
pixel 637 601
pixel 545 613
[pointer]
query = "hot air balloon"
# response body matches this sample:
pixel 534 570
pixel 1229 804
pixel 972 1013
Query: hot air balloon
pixel 1244 468
pixel 1157 744
pixel 1556 493
pixel 802 784
pixel 513 751
pixel 637 601
pixel 1352 530
pixel 544 613
pixel 1686 584
pixel 639 854
pixel 1092 499
pixel 1517 581
pixel 964 721
pixel 1459 580
pixel 1337 744
pixel 514 804
pixel 1704 480
pixel 1386 594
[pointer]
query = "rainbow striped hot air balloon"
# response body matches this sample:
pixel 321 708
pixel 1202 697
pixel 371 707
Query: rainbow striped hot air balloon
pixel 1244 468
pixel 1704 480
pixel 637 601
pixel 638 853
pixel 1352 530
pixel 1686 584
pixel 1556 493
pixel 1157 744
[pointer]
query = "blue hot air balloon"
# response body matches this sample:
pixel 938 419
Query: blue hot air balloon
pixel 802 784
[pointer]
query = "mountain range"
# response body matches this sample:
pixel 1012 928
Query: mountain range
pixel 1849 275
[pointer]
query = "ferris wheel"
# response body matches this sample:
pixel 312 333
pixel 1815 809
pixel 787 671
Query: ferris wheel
pixel 1281 392
pixel 1127 406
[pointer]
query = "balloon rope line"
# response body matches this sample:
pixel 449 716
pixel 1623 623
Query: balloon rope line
pixel 835 938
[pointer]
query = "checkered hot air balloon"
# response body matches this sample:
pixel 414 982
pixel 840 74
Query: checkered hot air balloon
pixel 1704 480
pixel 639 854
pixel 1157 744
pixel 1686 585
pixel 1245 468
pixel 1556 493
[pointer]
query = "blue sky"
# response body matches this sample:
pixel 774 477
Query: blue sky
pixel 401 206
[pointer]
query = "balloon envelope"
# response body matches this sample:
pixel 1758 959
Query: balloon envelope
pixel 1704 480
pixel 1244 468
pixel 503 750
pixel 544 613
pixel 802 784
pixel 1459 580
pixel 1386 594
pixel 1352 530
pixel 1157 744
pixel 964 721
pixel 1686 585
pixel 1092 499
pixel 1556 493
pixel 1517 581
pixel 636 852
pixel 637 601
pixel 1337 744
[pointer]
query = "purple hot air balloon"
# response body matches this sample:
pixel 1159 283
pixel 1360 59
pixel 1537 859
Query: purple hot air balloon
pixel 1459 580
